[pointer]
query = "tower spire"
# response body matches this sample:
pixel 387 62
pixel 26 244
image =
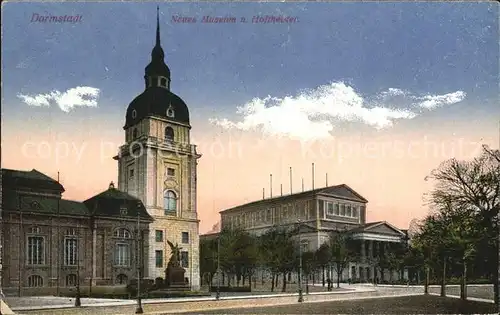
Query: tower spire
pixel 157 25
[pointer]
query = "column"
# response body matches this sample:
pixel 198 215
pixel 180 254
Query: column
pixel 363 251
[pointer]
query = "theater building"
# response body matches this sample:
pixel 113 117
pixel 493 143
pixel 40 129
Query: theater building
pixel 320 213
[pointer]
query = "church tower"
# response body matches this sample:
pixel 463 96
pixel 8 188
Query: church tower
pixel 157 164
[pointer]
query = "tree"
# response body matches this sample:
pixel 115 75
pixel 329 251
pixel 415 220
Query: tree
pixel 475 186
pixel 279 252
pixel 341 250
pixel 323 259
pixel 208 258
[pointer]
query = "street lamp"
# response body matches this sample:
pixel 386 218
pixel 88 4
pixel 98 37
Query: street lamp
pixel 301 299
pixel 78 301
pixel 138 309
pixel 217 294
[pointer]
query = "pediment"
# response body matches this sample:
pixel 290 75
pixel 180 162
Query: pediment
pixel 384 228
pixel 343 191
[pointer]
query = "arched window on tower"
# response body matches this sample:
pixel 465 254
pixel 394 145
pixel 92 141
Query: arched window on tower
pixel 169 134
pixel 164 82
pixel 170 202
pixel 134 134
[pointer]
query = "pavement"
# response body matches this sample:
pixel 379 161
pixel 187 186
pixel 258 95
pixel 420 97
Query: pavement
pixel 63 306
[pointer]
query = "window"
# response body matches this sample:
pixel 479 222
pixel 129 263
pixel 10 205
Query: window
pixel 134 113
pixel 348 211
pixel 170 171
pixel 35 281
pixel 184 259
pixel 304 246
pixel 329 208
pixel 355 212
pixel 123 233
pixel 159 258
pixel 170 201
pixel 35 250
pixel 123 210
pixel 159 236
pixel 122 255
pixel 134 134
pixel 170 112
pixel 71 280
pixel 336 210
pixel 185 237
pixel 131 173
pixel 164 82
pixel 342 210
pixel 121 279
pixel 169 134
pixel 70 251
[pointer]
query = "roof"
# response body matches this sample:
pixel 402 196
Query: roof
pixel 342 191
pixel 34 178
pixel 113 202
pixel 155 101
pixel 12 201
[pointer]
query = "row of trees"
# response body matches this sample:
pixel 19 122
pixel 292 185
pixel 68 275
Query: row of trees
pixel 460 236
pixel 277 253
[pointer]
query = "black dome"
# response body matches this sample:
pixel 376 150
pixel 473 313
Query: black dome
pixel 155 101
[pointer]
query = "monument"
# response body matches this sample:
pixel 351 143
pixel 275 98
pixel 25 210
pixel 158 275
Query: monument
pixel 174 274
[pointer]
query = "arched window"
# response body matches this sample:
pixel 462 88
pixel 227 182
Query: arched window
pixel 71 280
pixel 35 281
pixel 134 134
pixel 122 233
pixel 169 134
pixel 170 201
pixel 121 279
pixel 164 82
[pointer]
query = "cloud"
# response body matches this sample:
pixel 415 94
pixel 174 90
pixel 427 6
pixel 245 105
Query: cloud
pixel 78 96
pixel 435 101
pixel 313 114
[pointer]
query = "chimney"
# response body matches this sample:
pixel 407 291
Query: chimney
pixel 271 185
pixel 291 191
pixel 302 184
pixel 281 187
pixel 263 193
pixel 313 176
pixel 326 180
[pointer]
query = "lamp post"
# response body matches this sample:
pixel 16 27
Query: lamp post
pixel 138 309
pixel 78 301
pixel 217 294
pixel 301 299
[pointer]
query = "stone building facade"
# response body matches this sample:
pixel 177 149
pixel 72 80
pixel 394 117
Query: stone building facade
pixel 318 213
pixel 158 165
pixel 51 243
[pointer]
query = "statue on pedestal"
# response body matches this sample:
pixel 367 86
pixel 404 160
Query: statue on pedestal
pixel 174 274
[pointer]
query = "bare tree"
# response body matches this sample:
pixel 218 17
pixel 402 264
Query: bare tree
pixel 473 185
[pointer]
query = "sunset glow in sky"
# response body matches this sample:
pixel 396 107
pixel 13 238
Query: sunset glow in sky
pixel 375 94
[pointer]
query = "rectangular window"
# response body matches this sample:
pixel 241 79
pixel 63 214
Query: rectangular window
pixel 122 255
pixel 159 236
pixel 35 252
pixel 185 237
pixel 131 173
pixel 159 258
pixel 355 212
pixel 184 259
pixel 342 210
pixel 170 171
pixel 337 209
pixel 348 211
pixel 329 208
pixel 70 251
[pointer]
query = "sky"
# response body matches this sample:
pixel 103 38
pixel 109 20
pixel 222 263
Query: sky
pixel 376 95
